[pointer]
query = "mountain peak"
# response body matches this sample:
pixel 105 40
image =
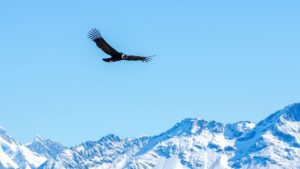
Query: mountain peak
pixel 291 112
pixel 110 137
pixel 191 126
pixel 237 129
pixel 38 138
pixel 45 147
pixel 186 126
pixel 4 135
pixel 2 131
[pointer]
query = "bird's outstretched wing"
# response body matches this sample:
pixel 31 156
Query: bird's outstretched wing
pixel 138 58
pixel 96 36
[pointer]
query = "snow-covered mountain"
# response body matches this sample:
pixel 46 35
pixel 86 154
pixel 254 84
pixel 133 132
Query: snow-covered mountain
pixel 17 155
pixel 192 143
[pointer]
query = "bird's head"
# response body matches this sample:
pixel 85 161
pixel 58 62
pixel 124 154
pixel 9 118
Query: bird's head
pixel 123 56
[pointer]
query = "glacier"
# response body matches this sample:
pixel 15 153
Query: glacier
pixel 190 144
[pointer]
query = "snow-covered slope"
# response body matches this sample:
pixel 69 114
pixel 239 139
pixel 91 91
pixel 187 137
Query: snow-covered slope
pixel 16 155
pixel 192 143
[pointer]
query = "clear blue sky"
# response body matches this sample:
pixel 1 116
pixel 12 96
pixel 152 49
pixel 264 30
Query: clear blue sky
pixel 218 60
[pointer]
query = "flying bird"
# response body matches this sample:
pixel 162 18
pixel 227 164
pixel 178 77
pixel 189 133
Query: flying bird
pixel 96 36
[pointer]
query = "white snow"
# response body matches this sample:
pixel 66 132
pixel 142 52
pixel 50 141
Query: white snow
pixel 32 158
pixel 7 161
pixel 169 163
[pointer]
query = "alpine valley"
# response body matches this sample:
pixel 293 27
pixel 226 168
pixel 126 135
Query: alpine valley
pixel 192 143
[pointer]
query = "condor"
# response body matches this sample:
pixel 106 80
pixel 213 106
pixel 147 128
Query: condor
pixel 96 36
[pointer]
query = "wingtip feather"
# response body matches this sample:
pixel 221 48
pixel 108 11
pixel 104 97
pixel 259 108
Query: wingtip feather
pixel 94 34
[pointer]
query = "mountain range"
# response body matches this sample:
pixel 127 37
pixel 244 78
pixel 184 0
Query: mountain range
pixel 192 143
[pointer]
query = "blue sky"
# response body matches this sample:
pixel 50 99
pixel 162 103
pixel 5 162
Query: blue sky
pixel 220 60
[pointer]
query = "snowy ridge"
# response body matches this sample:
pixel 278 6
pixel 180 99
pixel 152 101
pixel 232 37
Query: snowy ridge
pixel 192 143
pixel 16 155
